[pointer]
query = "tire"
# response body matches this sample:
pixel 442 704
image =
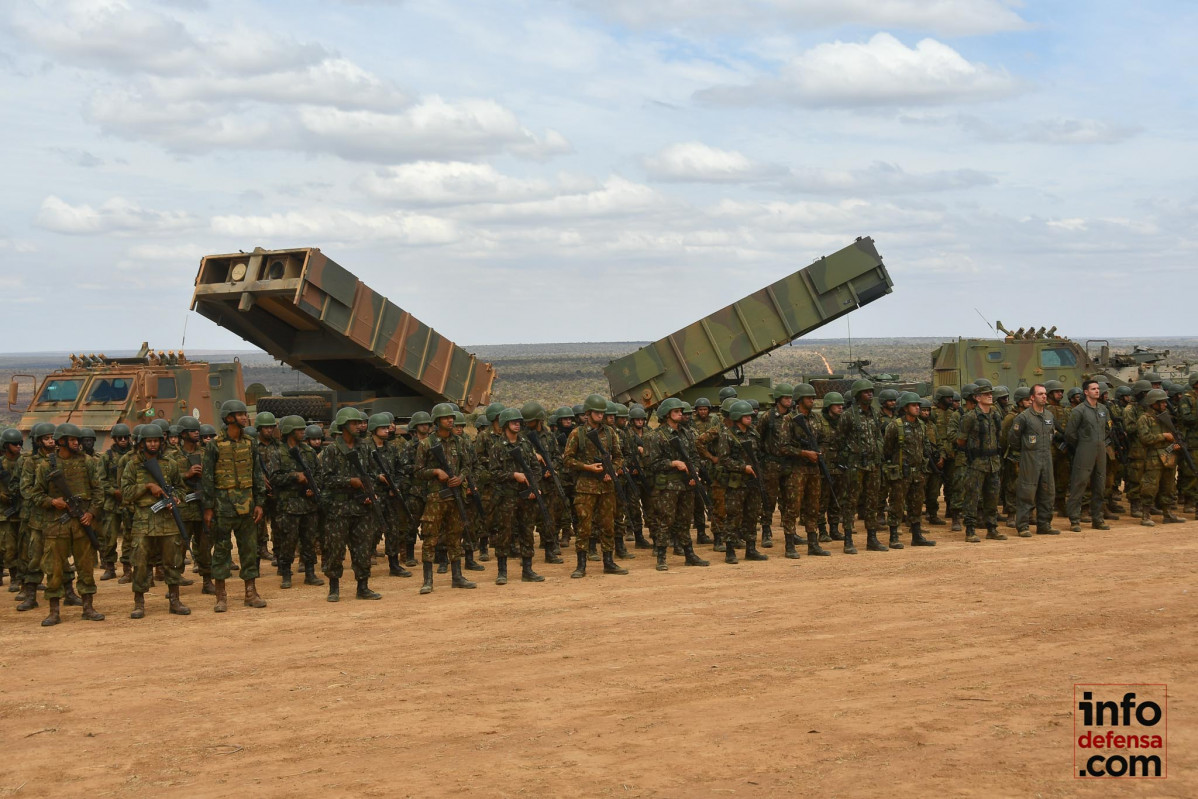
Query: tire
pixel 313 409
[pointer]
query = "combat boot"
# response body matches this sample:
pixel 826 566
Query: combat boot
pixel 813 547
pixel 751 552
pixel 176 605
pixel 1136 511
pixel 767 538
pixel 441 558
pixel 1169 518
pixel 53 616
pixel 661 559
pixel 126 575
pixel 252 600
pixel 310 577
pixel 956 518
pixel 718 545
pixel 823 533
pixel 285 579
pixel 872 543
pixel 183 580
pixel 396 569
pixel 800 539
pixel 1001 516
pixel 918 539
pixel 730 553
pixel 1100 525
pixel 849 549
pixel 30 600
pixel 334 590
pixel 701 536
pixel 1075 525
pixel 14 584
pixel 640 542
pixel 222 598
pixel 427 587
pixel 109 572
pixel 484 552
pixel 472 566
pixel 993 534
pixel 1049 530
pixel 159 574
pixel 834 532
pixel 458 579
pixel 592 553
pixel 895 543
pixel 139 606
pixel 971 535
pixel 581 569
pixel 364 590
pixel 208 587
pixel 678 550
pixel 621 550
pixel 692 559
pixel 501 566
pixel 791 552
pixel 1025 532
pixel 409 553
pixel 553 552
pixel 1107 513
pixel 529 576
pixel 73 600
pixel 89 610
pixel 936 521
pixel 610 566
pixel 1145 520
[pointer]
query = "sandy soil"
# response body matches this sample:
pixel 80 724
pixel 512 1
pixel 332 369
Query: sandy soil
pixel 925 672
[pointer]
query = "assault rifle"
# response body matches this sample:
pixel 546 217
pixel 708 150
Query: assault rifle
pixel 534 485
pixel 539 446
pixel 14 508
pixel 693 473
pixel 751 459
pixel 381 510
pixel 438 453
pixel 809 440
pixel 297 456
pixel 392 483
pixel 608 467
pixel 1119 441
pixel 74 504
pixel 197 491
pixel 169 501
pixel 1178 442
pixel 1062 443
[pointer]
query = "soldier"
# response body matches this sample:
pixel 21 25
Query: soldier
pixel 1187 417
pixel 1136 453
pixel 1086 433
pixel 594 490
pixel 1074 396
pixel 233 488
pixel 534 427
pixel 347 494
pixel 831 498
pixel 776 466
pixel 905 451
pixel 1121 441
pixel 707 446
pixel 733 447
pixel 207 433
pixel 888 411
pixel 189 458
pixel 801 445
pixel 1060 456
pixel 485 438
pixel 442 520
pixel 11 456
pixel 669 457
pixel 1010 463
pixel 156 537
pixel 1160 463
pixel 472 530
pixel 420 427
pixel 959 470
pixel 36 518
pixel 64 477
pixel 610 417
pixel 638 498
pixel 861 452
pixel 698 420
pixel 515 502
pixel 1030 443
pixel 296 507
pixel 384 461
pixel 978 438
pixel 116 516
pixel 268 444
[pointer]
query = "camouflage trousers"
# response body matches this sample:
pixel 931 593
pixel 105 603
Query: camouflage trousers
pixel 1035 488
pixel 560 510
pixel 345 531
pixel 224 530
pixel 296 528
pixel 742 509
pixel 591 510
pixel 56 554
pixel 514 521
pixel 116 531
pixel 906 500
pixel 775 480
pixel 147 550
pixel 1158 486
pixel 863 488
pixel 10 544
pixel 719 513
pixel 980 503
pixel 201 548
pixel 1061 467
pixel 1133 478
pixel 954 496
pixel 831 497
pixel 804 487
pixel 441 526
pixel 391 529
pixel 1187 480
pixel 670 520
pixel 33 548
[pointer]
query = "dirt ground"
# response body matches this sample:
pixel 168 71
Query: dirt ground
pixel 925 672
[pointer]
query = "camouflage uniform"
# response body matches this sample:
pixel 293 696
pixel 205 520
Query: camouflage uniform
pixel 905 450
pixel 803 484
pixel 347 514
pixel 741 496
pixel 33 541
pixel 441 524
pixel 415 495
pixel 268 453
pixel 959 468
pixel 61 536
pixel 192 511
pixel 392 524
pixel 515 513
pixel 484 441
pixel 629 519
pixel 670 496
pixel 1061 461
pixel 1009 475
pixel 980 431
pixel 942 421
pixel 155 536
pixel 831 496
pixel 1187 426
pixel 708 446
pixel 116 515
pixel 558 509
pixel 1136 455
pixel 1159 484
pixel 233 485
pixel 594 497
pixel 777 467
pixel 10 525
pixel 296 513
pixel 861 452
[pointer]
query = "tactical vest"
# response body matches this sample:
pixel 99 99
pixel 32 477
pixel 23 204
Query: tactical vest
pixel 234 464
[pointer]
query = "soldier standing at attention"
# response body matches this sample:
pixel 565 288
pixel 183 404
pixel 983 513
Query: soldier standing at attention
pixel 831 497
pixel 905 451
pixel 296 511
pixel 707 445
pixel 801 444
pixel 379 447
pixel 1187 425
pixel 1010 462
pixel 594 491
pixel 11 457
pixel 268 453
pixel 637 419
pixel 941 414
pixel 189 457
pixel 1030 443
pixel 515 508
pixel 419 427
pixel 775 465
pixel 342 476
pixel 1060 459
pixel 742 499
pixel 861 452
pixel 484 439
pixel 1086 431
pixel 978 437
pixel 234 489
pixel 63 535
pixel 1160 463
pixel 442 522
pixel 1136 454
pixel 156 537
pixel 35 517
pixel 673 489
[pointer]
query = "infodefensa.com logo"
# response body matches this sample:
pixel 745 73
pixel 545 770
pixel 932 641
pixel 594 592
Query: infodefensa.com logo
pixel 1120 730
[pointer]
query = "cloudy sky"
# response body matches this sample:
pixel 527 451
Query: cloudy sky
pixel 600 169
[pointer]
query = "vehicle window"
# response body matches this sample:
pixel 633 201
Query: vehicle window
pixel 109 389
pixel 214 381
pixel 994 356
pixel 166 388
pixel 60 391
pixel 1057 358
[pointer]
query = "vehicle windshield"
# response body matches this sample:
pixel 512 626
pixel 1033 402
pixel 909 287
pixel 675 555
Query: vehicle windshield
pixel 60 391
pixel 109 389
pixel 1057 358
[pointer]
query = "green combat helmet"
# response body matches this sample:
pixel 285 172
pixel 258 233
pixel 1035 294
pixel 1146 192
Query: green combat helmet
pixel 207 430
pixel 739 410
pixel 189 424
pixel 493 411
pixel 376 421
pixel 637 412
pixel 510 415
pixel 925 405
pixel 702 402
pixel 1022 393
pixel 1074 391
pixel 667 405
pixel 726 405
pixel 67 430
pixel 173 430
pixel 908 398
pixel 150 432
pixel 289 424
pixel 621 410
pixel 756 405
pixel 162 424
pixel 726 392
pixel 833 398
pixel 344 415
pixel 887 395
pixel 41 430
pixel 121 429
pixel 943 393
pixel 1141 387
pixel 313 431
pixel 533 411
pixel 265 419
pixel 579 409
pixel 781 390
pixel 86 432
pixel 12 436
pixel 230 407
pixel 419 418
pixel 564 412
pixel 1001 392
pixel 687 410
pixel 459 419
pixel 859 386
pixel 610 409
pixel 1154 396
pixel 594 402
pixel 480 420
pixel 442 410
pixel 1122 391
pixel 981 382
pixel 1053 385
pixel 1151 377
pixel 803 390
pixel 968 390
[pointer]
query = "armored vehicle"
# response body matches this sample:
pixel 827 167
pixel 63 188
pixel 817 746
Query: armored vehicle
pixel 314 315
pixel 711 353
pixel 98 392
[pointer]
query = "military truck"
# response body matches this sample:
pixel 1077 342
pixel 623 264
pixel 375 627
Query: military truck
pixel 99 392
pixel 309 312
pixel 705 356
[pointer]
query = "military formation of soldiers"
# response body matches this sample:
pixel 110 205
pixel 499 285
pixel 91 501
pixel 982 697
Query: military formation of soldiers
pixel 597 473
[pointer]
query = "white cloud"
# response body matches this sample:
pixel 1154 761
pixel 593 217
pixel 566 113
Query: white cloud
pixel 880 72
pixel 458 183
pixel 695 161
pixel 115 215
pixel 1055 130
pixel 338 225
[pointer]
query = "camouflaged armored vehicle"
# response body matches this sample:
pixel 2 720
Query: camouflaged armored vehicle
pixel 99 392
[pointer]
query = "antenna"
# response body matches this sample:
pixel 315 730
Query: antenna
pixel 984 319
pixel 184 342
pixel 849 323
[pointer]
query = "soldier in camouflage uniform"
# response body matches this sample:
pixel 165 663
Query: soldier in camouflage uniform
pixel 296 515
pixel 1159 482
pixel 905 451
pixel 189 458
pixel 635 454
pixel 11 458
pixel 707 445
pixel 383 462
pixel 442 521
pixel 420 427
pixel 594 491
pixel 799 442
pixel 233 487
pixel 960 470
pixel 776 466
pixel 155 535
pixel 472 531
pixel 34 521
pixel 533 427
pixel 673 489
pixel 861 453
pixel 268 453
pixel 63 534
pixel 346 486
pixel 831 495
pixel 1136 453
pixel 942 415
pixel 1010 462
pixel 734 446
pixel 1061 461
pixel 978 439
pixel 486 437
pixel 1187 425
pixel 511 455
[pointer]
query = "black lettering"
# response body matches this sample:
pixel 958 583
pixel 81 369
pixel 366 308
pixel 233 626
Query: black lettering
pixel 1091 770
pixel 1141 715
pixel 1116 766
pixel 1143 761
pixel 1110 707
pixel 1087 708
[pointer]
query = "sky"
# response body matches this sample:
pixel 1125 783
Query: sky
pixel 600 170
